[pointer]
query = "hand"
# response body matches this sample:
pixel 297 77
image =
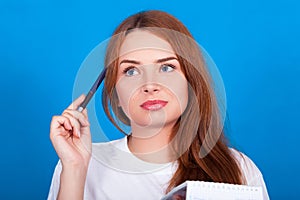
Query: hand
pixel 71 137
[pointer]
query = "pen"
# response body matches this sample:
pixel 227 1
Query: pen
pixel 92 91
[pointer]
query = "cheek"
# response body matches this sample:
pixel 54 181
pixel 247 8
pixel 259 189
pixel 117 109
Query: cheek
pixel 177 85
pixel 181 95
pixel 128 100
pixel 126 90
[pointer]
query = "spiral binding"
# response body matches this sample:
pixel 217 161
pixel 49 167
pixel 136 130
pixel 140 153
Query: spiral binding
pixel 209 190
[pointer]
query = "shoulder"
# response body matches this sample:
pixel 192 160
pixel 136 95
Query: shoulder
pixel 252 175
pixel 97 147
pixel 251 172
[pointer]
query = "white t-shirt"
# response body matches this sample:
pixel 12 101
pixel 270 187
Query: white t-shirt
pixel 115 173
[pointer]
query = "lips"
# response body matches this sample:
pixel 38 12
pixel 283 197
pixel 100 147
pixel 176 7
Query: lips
pixel 153 105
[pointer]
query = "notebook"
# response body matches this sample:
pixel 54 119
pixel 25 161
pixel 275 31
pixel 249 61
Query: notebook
pixel 200 190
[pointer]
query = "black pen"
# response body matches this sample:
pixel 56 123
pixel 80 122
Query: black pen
pixel 92 91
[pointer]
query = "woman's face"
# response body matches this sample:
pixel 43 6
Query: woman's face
pixel 151 87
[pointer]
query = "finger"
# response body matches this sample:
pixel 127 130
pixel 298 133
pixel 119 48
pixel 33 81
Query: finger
pixel 60 125
pixel 60 122
pixel 74 105
pixel 74 123
pixel 79 116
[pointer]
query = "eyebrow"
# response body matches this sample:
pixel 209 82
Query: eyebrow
pixel 157 61
pixel 130 61
pixel 166 59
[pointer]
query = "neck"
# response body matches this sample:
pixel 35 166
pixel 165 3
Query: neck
pixel 151 143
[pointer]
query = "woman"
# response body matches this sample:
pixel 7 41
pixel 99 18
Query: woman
pixel 157 83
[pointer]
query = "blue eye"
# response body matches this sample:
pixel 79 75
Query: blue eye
pixel 130 71
pixel 167 68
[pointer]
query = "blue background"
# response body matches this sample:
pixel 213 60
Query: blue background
pixel 255 45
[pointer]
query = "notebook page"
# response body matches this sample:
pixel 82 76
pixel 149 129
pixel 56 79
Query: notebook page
pixel 199 190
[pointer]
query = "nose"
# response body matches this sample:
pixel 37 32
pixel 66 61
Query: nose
pixel 151 88
pixel 149 78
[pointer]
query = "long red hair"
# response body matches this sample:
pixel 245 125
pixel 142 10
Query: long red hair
pixel 199 134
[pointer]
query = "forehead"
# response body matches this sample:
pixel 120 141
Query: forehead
pixel 139 42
